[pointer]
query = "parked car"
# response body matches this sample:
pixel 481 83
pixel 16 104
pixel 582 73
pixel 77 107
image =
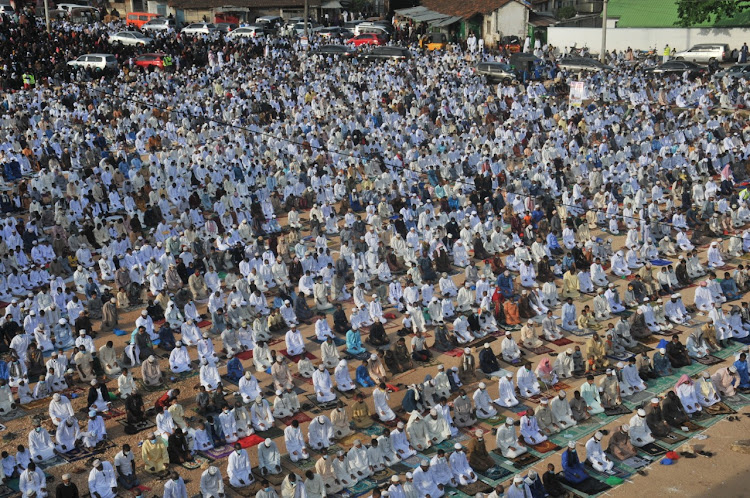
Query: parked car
pixel 226 27
pixel 512 44
pixel 580 64
pixel 705 52
pixel 341 50
pixel 433 41
pixel 199 28
pixel 138 19
pixel 495 72
pixel 529 66
pixel 248 32
pixel 351 25
pixel 95 61
pixel 150 60
pixel 132 38
pixel 387 53
pixel 736 71
pixel 159 24
pixel 7 10
pixel 312 27
pixel 370 27
pixel 367 39
pixel 677 67
pixel 272 23
pixel 335 32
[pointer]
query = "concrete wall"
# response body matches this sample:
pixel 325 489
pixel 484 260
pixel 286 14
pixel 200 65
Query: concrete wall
pixel 509 20
pixel 646 38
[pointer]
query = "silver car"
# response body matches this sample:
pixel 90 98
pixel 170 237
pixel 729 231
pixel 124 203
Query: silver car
pixel 705 53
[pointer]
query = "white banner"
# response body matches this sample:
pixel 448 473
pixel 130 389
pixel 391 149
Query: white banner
pixel 576 93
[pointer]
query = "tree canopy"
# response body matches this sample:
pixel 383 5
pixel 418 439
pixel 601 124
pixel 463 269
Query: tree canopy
pixel 692 12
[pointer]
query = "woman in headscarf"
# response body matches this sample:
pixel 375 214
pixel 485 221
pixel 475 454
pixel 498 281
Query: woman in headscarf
pixel 673 411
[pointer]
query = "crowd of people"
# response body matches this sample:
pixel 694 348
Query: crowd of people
pixel 333 228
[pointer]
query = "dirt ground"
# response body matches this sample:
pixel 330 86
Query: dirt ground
pixel 722 474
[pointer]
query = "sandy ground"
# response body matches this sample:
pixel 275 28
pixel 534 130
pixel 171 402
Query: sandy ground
pixel 722 474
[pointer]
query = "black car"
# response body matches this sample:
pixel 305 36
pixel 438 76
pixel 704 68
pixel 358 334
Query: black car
pixel 226 27
pixel 387 53
pixel 678 67
pixel 341 50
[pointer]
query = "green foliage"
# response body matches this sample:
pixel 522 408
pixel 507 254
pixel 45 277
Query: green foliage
pixel 566 12
pixel 692 12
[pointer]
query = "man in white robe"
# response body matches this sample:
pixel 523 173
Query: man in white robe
pixel 239 469
pixel 527 382
pixel 269 458
pixel 209 375
pixel 125 383
pixel 416 430
pixel 40 444
pixel 530 429
pixel 463 474
pixel 437 427
pixel 640 434
pixel 249 388
pixel 102 480
pixel 380 397
pixel 358 460
pixel 483 402
pixel 67 434
pixel 212 484
pixel 179 358
pixel 295 442
pixel 506 391
pixel 507 440
pixel 320 433
pixel 343 378
pixel 60 408
pixel 596 455
pixel 32 480
pixel 323 385
pixel 509 349
pixel 95 430
pixel 295 343
pixel 561 411
pixel 261 415
pixel 401 444
pixel 424 481
pixel 228 424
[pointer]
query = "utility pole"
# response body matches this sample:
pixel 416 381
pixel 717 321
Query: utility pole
pixel 307 15
pixel 604 33
pixel 46 14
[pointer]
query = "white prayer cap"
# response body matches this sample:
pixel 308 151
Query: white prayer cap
pixel 509 421
pixel 569 351
pixel 486 345
pixel 56 396
pixel 625 427
pixel 609 371
pixel 705 375
pixel 152 358
pixel 409 475
pixel 482 385
pixel 675 296
pixel 733 369
pixel 62 321
pixel 533 474
pixel 212 470
pixel 467 350
pixel 440 367
pixel 144 312
pixel 654 401
pixel 267 442
pixel 373 356
pixel 400 425
pixel 479 432
pixel 544 401
pixel 32 312
pixel 66 477
pixel 258 399
pixel 97 462
pixel 248 375
pixel 81 332
pixel 433 412
pixel 320 419
pixel 507 334
pixel 178 343
pixel 205 335
pixel 517 480
pixel 562 394
pixel 571 444
pixel 620 364
pixel 92 413
pixel 279 392
pixel 598 435
pixel 395 479
pixel 93 382
pixel 641 412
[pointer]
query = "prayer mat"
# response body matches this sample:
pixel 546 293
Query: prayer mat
pixel 542 350
pixel 350 394
pixel 321 406
pixel 496 473
pixel 245 355
pixel 479 343
pixel 37 403
pixel 718 409
pixel 617 411
pixel 217 453
pixel 271 433
pixel 708 360
pixel 588 486
pixel 17 412
pixel 672 438
pixel 475 488
pixel 362 487
pixel 373 431
pixel 140 490
pixel 518 409
pixel 494 421
pixel 197 462
pixel 77 454
pixel 640 348
pixel 351 357
pixel 274 479
pixel 399 468
pixel 661 262
pixel 300 417
pixel 297 358
pixel 275 341
pixel 383 475
pixel 690 426
pixel 472 429
pixel 52 462
pixel 349 440
pixel 573 434
pixel 299 465
pixel 245 491
pixel 454 353
pixel 652 449
pixel 634 462
pixel 620 357
pixel 250 441
pixel 203 324
pixel 151 389
pixel 622 474
pixel 225 379
pixel 113 413
pixel 560 386
pixel 119 332
pixel 338 342
pixel 7 492
pixel 545 447
pixel 580 333
pixel 524 460
pixel 562 342
pixel 639 397
pixel 306 380
pixel 537 398
pixel 142 426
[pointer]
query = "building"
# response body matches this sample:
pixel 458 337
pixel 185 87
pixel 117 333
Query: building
pixel 239 10
pixel 487 19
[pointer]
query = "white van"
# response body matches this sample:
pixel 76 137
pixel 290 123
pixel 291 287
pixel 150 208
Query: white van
pixel 67 7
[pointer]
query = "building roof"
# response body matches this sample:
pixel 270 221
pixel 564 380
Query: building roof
pixel 468 8
pixel 240 4
pixel 660 14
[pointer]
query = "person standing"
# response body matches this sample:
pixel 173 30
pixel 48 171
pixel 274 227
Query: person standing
pixel 743 54
pixel 667 53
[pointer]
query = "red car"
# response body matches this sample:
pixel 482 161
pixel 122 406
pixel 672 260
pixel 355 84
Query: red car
pixel 367 39
pixel 150 60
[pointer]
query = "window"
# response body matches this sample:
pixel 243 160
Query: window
pixel 488 29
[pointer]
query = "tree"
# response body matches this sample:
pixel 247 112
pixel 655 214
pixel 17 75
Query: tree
pixel 566 12
pixel 692 12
